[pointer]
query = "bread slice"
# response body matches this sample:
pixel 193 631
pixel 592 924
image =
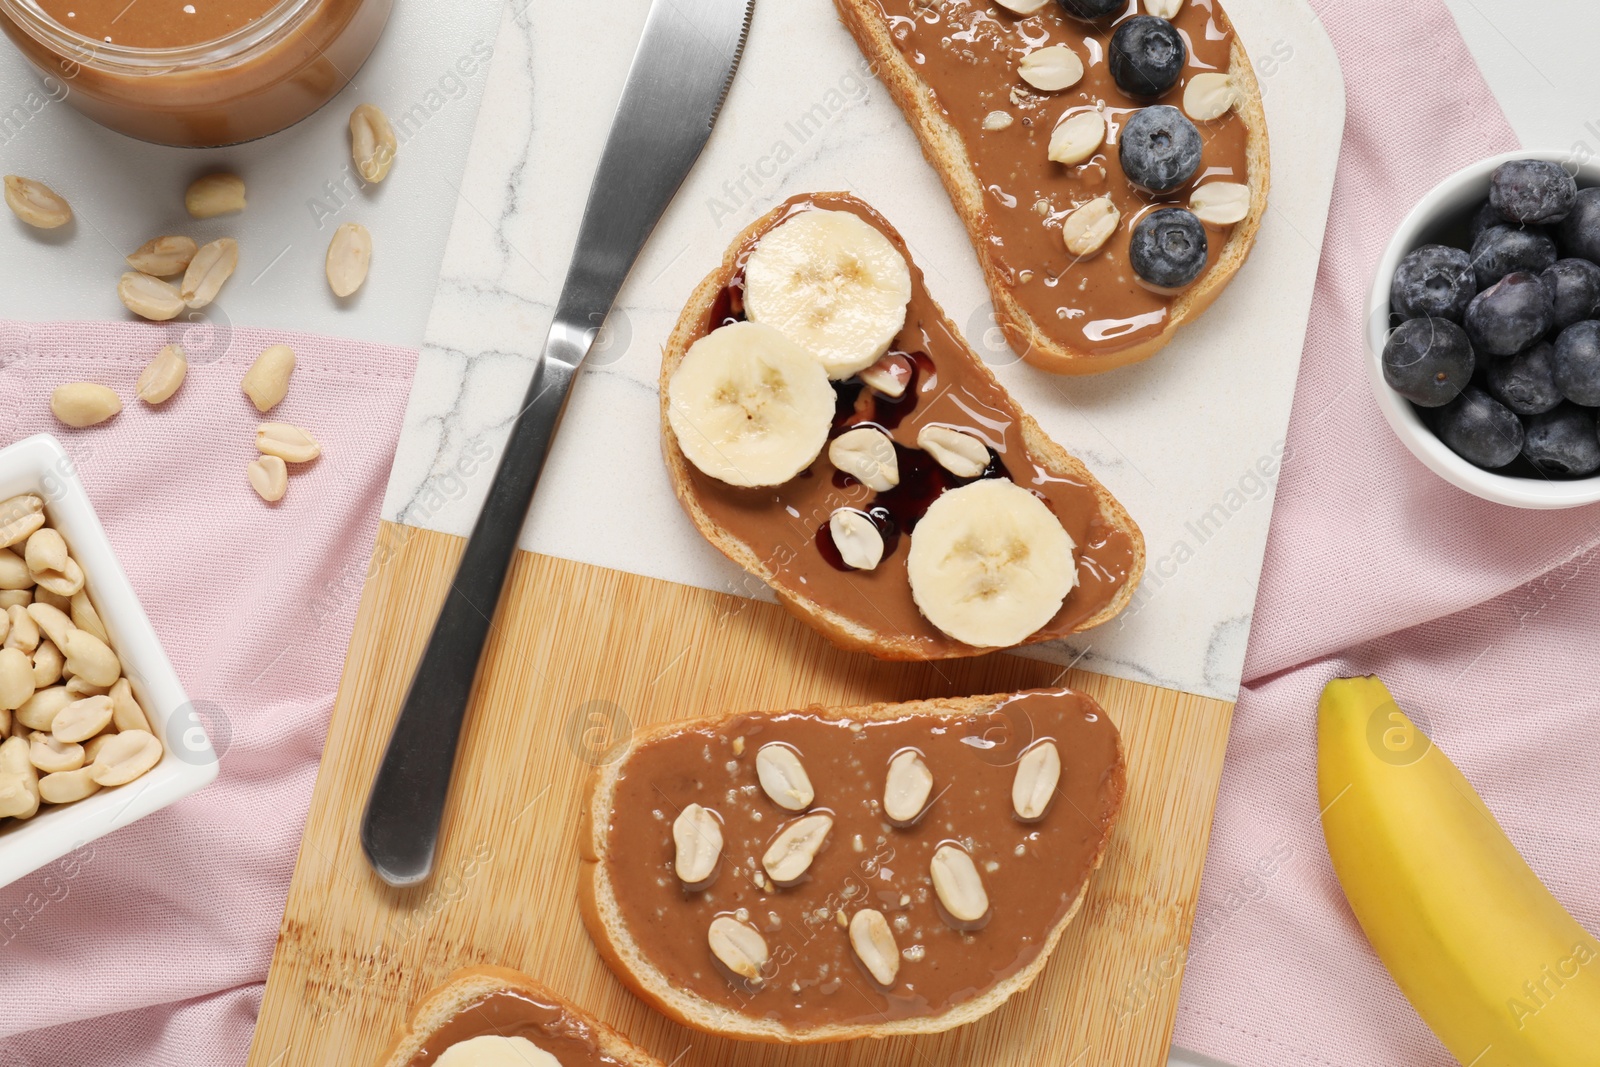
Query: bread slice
pixel 947 152
pixel 846 631
pixel 1095 745
pixel 470 985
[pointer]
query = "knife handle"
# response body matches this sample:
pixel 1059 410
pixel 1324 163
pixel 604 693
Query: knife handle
pixel 400 827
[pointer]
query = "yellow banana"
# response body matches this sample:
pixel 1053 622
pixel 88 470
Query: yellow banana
pixel 1488 957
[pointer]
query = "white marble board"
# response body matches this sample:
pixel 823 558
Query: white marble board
pixel 1189 440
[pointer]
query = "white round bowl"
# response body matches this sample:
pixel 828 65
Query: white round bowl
pixel 1441 217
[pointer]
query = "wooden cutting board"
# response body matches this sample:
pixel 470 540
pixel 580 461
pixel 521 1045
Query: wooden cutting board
pixel 577 656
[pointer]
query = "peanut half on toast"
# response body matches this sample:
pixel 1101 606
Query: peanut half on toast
pixel 1110 164
pixel 832 874
pixel 827 428
pixel 497 1017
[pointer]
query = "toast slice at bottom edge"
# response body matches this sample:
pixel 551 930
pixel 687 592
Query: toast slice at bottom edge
pixel 846 632
pixel 608 930
pixel 469 985
pixel 946 152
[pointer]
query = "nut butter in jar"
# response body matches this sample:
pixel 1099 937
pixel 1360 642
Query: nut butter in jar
pixel 196 73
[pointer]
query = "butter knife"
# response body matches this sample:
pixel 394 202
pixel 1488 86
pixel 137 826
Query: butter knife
pixel 679 77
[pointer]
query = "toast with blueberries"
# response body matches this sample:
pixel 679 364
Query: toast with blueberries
pixel 1110 166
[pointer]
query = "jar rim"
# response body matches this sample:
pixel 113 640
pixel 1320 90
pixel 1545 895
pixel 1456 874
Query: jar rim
pixel 84 51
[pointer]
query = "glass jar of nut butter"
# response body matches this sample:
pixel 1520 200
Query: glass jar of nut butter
pixel 197 73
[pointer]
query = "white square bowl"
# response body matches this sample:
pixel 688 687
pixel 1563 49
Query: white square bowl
pixel 40 465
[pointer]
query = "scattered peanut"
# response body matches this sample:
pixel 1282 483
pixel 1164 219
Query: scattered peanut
pixel 789 856
pixel 958 885
pixel 907 787
pixel 957 451
pixel 36 204
pixel 162 377
pixel 1051 69
pixel 783 777
pixel 697 837
pixel 268 477
pixel 289 443
pixel 162 257
pixel 875 947
pixel 1077 137
pixel 349 255
pixel 1221 203
pixel 372 142
pixel 1090 226
pixel 738 946
pixel 867 454
pixel 214 194
pixel 149 297
pixel 1034 786
pixel 213 264
pixel 1208 96
pixel 80 404
pixel 266 383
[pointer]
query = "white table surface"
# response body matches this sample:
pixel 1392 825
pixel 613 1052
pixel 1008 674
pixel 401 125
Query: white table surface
pixel 1537 66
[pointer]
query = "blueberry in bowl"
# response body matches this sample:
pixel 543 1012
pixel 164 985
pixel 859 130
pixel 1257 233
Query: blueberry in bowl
pixel 1563 442
pixel 1509 315
pixel 1579 232
pixel 1480 429
pixel 1574 288
pixel 1428 361
pixel 1576 363
pixel 1434 281
pixel 1146 56
pixel 1532 190
pixel 1505 249
pixel 1159 149
pixel 1168 248
pixel 1525 382
pixel 1483 330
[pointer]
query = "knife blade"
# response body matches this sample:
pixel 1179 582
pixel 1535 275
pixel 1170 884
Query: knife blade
pixel 676 85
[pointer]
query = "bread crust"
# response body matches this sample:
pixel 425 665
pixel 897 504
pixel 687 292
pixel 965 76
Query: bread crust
pixel 945 150
pixel 843 631
pixel 597 903
pixel 468 984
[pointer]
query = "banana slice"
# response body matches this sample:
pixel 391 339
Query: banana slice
pixel 495 1050
pixel 990 564
pixel 749 406
pixel 833 284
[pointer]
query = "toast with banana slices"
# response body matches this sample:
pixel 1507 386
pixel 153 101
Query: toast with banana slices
pixel 827 428
pixel 830 874
pixel 498 1017
pixel 1111 167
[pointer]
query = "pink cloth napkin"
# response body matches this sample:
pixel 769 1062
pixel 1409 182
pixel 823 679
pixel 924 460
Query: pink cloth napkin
pixel 1482 619
pixel 149 946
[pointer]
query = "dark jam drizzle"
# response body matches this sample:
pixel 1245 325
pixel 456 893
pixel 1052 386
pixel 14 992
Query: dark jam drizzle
pixel 922 480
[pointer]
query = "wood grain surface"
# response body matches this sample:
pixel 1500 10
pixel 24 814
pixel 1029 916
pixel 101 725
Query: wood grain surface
pixel 577 656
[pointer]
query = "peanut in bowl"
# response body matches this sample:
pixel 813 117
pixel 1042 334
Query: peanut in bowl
pixel 97 730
